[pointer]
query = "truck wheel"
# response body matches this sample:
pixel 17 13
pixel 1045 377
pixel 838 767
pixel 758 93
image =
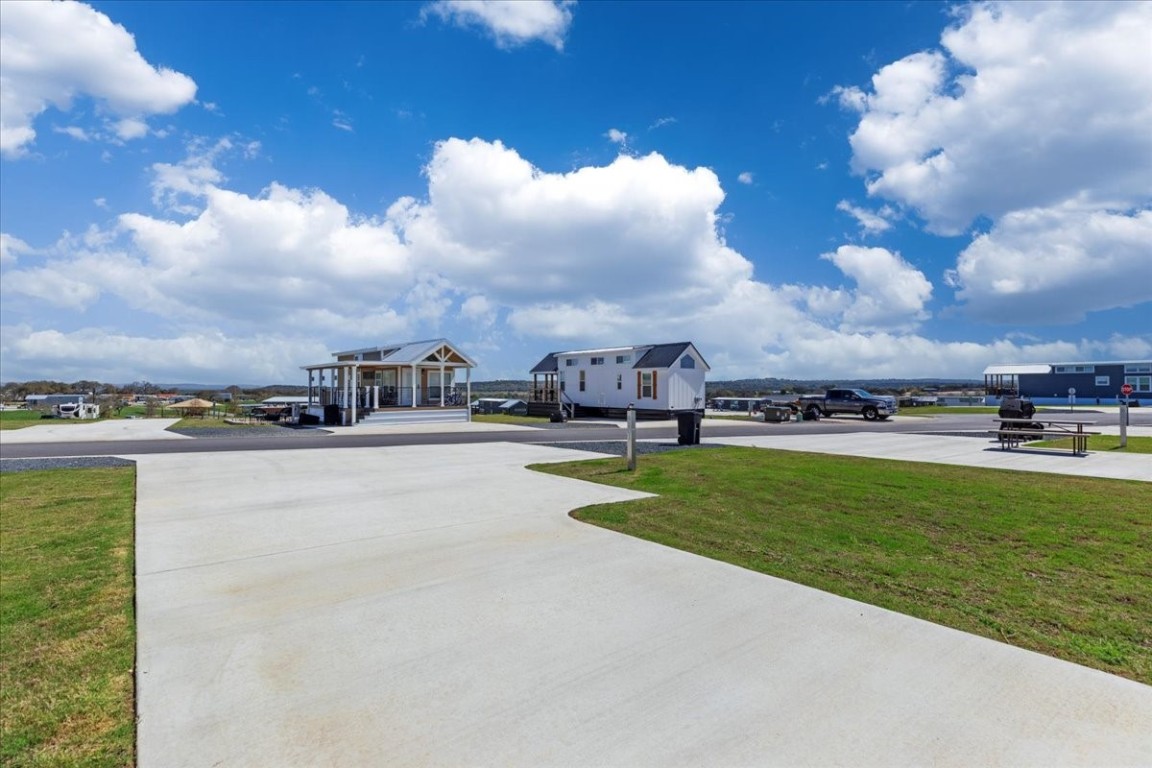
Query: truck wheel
pixel 812 414
pixel 869 414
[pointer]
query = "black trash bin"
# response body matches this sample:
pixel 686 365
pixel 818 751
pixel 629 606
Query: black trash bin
pixel 332 415
pixel 688 427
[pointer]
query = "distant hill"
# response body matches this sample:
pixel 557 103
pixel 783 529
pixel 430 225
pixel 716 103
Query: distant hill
pixel 767 386
pixel 522 387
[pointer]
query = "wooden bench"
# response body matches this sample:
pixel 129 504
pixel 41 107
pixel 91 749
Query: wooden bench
pixel 1050 430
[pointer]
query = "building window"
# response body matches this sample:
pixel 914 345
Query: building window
pixel 1138 368
pixel 619 381
pixel 621 359
pixel 570 362
pixel 581 379
pixel 646 384
pixel 1139 383
pixel 597 361
pixel 687 361
pixel 1075 369
pixel 1102 381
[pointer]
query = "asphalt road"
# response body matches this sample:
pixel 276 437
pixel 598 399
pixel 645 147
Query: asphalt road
pixel 712 427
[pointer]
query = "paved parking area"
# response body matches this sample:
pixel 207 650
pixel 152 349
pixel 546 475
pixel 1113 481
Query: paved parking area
pixel 965 451
pixel 434 606
pixel 77 431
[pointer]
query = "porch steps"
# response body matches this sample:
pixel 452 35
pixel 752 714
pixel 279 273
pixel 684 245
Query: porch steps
pixel 416 416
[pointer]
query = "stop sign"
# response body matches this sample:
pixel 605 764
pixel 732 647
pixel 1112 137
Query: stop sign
pixel 1126 389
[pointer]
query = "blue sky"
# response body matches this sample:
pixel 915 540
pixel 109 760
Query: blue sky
pixel 223 192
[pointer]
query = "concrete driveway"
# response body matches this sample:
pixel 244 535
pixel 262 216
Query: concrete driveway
pixel 980 451
pixel 76 431
pixel 434 606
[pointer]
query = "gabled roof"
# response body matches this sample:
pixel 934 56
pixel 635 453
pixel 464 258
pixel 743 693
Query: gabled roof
pixel 666 355
pixel 407 353
pixel 654 356
pixel 547 365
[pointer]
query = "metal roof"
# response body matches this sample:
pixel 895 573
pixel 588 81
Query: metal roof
pixel 408 352
pixel 1016 369
pixel 666 355
pixel 547 365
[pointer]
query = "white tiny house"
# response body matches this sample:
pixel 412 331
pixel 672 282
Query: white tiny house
pixel 657 379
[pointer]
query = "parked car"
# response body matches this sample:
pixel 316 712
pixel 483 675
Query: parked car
pixel 858 401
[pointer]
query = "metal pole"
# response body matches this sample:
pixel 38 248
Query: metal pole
pixel 1124 423
pixel 630 445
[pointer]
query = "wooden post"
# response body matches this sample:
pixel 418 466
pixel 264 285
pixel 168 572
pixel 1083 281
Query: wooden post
pixel 630 446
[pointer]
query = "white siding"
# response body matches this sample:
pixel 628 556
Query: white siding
pixel 600 381
pixel 676 388
pixel 685 389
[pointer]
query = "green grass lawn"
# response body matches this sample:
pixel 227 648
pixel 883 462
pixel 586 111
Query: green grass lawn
pixel 21 419
pixel 208 422
pixel 936 410
pixel 67 627
pixel 731 416
pixel 500 418
pixel 1056 564
pixel 1110 443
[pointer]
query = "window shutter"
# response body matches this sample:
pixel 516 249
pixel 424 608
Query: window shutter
pixel 638 385
pixel 655 396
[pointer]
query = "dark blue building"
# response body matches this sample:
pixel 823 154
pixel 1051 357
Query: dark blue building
pixel 1097 382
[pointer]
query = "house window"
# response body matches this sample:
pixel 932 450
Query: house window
pixel 1102 381
pixel 646 384
pixel 597 361
pixel 581 379
pixel 621 359
pixel 570 362
pixel 1139 383
pixel 687 362
pixel 1138 368
pixel 1075 369
pixel 619 381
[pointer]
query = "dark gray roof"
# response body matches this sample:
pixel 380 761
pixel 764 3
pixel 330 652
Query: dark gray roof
pixel 547 365
pixel 662 355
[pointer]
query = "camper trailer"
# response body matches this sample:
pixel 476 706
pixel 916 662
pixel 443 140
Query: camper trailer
pixel 76 410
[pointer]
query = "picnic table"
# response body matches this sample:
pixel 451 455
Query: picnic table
pixel 1012 432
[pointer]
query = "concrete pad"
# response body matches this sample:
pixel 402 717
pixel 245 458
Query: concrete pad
pixel 75 431
pixel 434 606
pixel 401 428
pixel 964 451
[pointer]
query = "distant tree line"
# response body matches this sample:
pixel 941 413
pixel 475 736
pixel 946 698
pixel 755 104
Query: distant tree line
pixel 17 391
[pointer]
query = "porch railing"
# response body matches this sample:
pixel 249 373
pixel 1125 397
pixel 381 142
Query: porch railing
pixel 545 394
pixel 396 397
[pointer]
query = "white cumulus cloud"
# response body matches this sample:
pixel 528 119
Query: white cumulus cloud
pixel 890 293
pixel 1053 265
pixel 53 53
pixel 231 287
pixel 118 357
pixel 1026 105
pixel 1034 120
pixel 871 223
pixel 511 23
pixel 641 228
